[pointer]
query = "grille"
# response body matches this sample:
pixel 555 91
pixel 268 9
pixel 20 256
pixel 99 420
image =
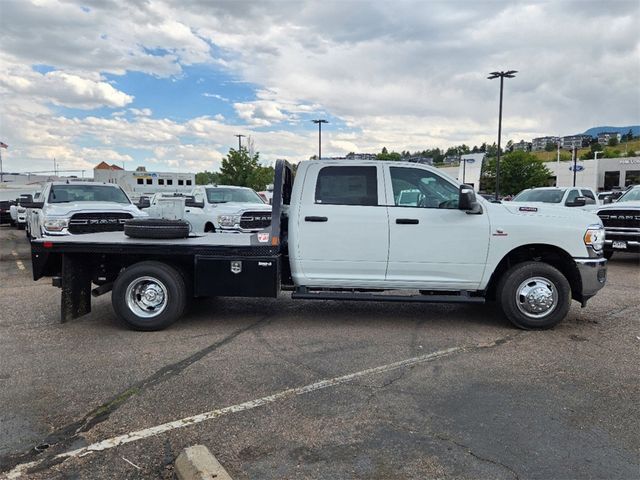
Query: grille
pixel 620 218
pixel 255 220
pixel 97 222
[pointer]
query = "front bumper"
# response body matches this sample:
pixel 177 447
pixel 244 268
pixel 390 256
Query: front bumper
pixel 593 275
pixel 630 245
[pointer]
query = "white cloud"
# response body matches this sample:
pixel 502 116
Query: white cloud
pixel 406 74
pixel 61 88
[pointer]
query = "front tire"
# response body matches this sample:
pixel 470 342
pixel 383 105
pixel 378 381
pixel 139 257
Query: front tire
pixel 149 296
pixel 608 254
pixel 534 295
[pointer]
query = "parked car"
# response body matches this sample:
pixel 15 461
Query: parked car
pixel 5 211
pixel 73 208
pixel 18 212
pixel 621 222
pixel 228 208
pixel 339 233
pixel 567 197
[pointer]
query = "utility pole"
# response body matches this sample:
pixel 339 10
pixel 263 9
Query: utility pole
pixel 319 122
pixel 2 145
pixel 501 76
pixel 574 152
pixel 240 141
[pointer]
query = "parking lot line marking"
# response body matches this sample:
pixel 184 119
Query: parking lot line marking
pixel 20 264
pixel 109 443
pixel 14 253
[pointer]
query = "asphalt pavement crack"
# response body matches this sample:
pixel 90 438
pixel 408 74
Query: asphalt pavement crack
pixel 62 438
pixel 479 457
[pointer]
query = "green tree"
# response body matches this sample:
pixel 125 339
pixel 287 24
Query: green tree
pixel 207 178
pixel 386 155
pixel 613 141
pixel 550 146
pixel 239 168
pixel 518 170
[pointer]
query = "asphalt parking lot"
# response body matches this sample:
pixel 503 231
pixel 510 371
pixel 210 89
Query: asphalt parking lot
pixel 283 389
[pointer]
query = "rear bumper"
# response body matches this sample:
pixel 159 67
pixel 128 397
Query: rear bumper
pixel 593 275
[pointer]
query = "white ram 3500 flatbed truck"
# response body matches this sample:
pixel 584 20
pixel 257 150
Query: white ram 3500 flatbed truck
pixel 348 231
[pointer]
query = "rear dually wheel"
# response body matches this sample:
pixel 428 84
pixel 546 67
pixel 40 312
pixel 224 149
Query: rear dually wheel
pixel 149 295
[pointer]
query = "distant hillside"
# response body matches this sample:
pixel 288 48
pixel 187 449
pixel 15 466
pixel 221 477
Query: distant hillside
pixel 594 131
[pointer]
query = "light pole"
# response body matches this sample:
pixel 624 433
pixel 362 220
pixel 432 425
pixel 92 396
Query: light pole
pixel 319 122
pixel 239 141
pixel 501 76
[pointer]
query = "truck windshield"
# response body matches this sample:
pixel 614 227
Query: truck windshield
pixel 631 196
pixel 546 196
pixel 236 195
pixel 86 193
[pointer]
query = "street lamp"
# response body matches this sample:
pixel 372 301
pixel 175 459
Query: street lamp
pixel 319 122
pixel 501 76
pixel 239 141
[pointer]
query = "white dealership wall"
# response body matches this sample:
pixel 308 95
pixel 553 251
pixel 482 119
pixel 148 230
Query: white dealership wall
pixel 591 173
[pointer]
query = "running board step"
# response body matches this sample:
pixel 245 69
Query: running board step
pixel 369 297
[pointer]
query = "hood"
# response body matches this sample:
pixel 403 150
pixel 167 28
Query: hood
pixel 69 208
pixel 541 209
pixel 631 205
pixel 237 208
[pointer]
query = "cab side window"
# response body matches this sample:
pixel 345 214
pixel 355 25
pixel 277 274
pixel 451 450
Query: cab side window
pixel 415 187
pixel 573 194
pixel 588 194
pixel 347 186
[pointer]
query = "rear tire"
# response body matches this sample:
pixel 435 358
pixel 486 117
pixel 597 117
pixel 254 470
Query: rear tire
pixel 156 228
pixel 149 296
pixel 534 295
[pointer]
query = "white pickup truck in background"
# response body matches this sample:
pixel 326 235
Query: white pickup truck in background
pixel 580 197
pixel 78 208
pixel 227 208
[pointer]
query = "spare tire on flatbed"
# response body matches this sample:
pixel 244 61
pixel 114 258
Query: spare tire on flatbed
pixel 156 228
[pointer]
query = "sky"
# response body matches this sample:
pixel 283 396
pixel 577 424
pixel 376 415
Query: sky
pixel 167 84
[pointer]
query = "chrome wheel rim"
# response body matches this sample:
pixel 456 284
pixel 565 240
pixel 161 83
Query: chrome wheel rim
pixel 147 297
pixel 536 297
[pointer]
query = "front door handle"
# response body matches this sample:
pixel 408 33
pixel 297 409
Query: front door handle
pixel 407 221
pixel 315 219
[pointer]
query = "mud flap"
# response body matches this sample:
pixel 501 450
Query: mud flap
pixel 76 287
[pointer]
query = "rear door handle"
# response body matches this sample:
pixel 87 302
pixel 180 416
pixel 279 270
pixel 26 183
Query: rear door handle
pixel 315 219
pixel 407 221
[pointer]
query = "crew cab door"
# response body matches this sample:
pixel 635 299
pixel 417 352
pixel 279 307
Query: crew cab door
pixel 432 244
pixel 342 232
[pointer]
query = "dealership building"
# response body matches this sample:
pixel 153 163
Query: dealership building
pixel 142 182
pixel 602 174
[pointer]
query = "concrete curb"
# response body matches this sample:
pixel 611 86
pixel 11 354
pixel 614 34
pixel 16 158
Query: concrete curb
pixel 197 463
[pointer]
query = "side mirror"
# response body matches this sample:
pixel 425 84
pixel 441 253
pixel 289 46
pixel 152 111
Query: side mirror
pixel 578 202
pixel 143 202
pixel 607 200
pixel 27 198
pixel 467 200
pixel 32 204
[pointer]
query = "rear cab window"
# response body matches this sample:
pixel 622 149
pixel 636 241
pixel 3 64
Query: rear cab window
pixel 347 185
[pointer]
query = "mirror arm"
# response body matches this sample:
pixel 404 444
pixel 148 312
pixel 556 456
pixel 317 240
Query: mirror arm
pixel 475 210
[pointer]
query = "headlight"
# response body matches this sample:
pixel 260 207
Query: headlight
pixel 55 224
pixel 228 220
pixel 594 237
